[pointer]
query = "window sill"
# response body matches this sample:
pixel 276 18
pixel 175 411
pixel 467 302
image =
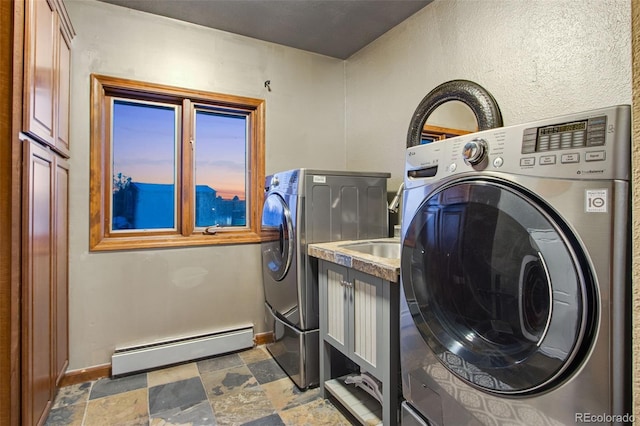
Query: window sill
pixel 175 241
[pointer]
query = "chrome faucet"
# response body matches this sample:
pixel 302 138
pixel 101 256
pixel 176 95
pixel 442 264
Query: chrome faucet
pixel 395 203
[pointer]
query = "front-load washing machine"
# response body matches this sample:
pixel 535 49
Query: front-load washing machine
pixel 515 275
pixel 301 207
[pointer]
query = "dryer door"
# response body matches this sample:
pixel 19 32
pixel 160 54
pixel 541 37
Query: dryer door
pixel 277 226
pixel 497 286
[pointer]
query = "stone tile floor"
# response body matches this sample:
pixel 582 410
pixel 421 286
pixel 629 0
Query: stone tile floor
pixel 244 388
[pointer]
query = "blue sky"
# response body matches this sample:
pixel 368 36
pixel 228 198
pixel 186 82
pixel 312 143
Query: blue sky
pixel 144 150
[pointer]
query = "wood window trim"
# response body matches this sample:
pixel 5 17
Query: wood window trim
pixel 440 133
pixel 102 87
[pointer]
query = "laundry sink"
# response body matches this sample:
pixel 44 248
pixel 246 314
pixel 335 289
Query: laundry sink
pixel 389 248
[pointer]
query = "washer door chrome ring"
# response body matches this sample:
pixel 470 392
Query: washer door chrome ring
pixel 277 254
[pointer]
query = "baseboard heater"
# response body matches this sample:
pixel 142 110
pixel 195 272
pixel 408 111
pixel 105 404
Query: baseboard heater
pixel 146 357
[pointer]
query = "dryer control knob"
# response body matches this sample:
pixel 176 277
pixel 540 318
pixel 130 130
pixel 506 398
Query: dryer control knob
pixel 474 151
pixel 275 181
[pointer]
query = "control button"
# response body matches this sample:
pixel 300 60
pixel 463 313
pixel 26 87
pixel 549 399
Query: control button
pixel 595 138
pixel 528 161
pixel 578 138
pixel 498 162
pixel 543 144
pixel 570 158
pixel 594 156
pixel 528 147
pixel 545 160
pixel 598 120
pixel 474 151
pixel 452 167
pixel 275 181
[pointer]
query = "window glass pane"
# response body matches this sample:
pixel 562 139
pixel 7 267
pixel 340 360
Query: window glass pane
pixel 143 152
pixel 220 169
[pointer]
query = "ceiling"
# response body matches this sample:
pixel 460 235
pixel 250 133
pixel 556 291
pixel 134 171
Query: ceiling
pixel 336 28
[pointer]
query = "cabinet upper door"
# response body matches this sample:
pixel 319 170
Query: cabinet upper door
pixel 64 77
pixel 41 36
pixel 47 72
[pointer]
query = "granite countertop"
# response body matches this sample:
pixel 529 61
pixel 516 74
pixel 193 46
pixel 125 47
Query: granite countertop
pixel 381 267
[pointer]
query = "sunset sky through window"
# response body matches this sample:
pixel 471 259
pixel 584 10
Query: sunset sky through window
pixel 144 147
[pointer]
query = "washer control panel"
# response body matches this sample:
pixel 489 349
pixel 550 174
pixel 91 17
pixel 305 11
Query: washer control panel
pixel 568 137
pixel 285 182
pixel 589 145
pixel 576 134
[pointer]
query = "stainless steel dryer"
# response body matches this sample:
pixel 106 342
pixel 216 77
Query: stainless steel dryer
pixel 515 275
pixel 305 206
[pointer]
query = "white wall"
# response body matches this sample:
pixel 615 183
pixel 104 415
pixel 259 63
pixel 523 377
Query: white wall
pixel 121 298
pixel 538 58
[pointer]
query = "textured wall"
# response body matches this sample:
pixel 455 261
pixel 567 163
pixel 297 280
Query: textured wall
pixel 132 297
pixel 636 208
pixel 538 58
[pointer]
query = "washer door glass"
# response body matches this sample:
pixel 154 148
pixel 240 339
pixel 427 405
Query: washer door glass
pixel 495 287
pixel 277 227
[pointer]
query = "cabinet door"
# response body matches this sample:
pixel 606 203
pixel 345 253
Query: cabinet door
pixel 367 314
pixel 41 35
pixel 64 77
pixel 37 278
pixel 337 304
pixel 61 268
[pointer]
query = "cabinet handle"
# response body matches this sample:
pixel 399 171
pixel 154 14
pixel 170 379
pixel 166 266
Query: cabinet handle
pixel 346 283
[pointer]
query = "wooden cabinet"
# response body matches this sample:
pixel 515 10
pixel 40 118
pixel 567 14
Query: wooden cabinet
pixel 359 319
pixel 47 74
pixel 37 282
pixel 60 287
pixel 63 93
pixel 45 282
pixel 45 186
pixel 40 41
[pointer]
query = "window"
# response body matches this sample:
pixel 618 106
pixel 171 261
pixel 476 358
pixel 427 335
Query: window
pixel 173 167
pixel 436 133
